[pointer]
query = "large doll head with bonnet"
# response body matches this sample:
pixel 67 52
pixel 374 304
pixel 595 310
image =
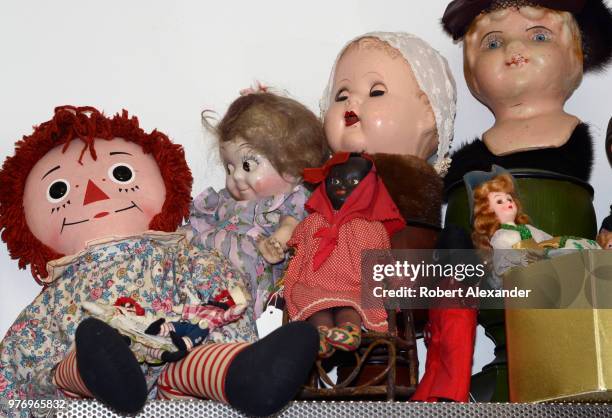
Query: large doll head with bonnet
pixel 390 93
pixel 83 176
pixel 265 141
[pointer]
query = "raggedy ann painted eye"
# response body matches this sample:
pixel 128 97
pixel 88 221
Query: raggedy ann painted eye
pixel 58 190
pixel 122 173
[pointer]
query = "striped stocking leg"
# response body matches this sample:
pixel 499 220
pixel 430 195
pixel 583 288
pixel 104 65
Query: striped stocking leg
pixel 258 379
pixel 201 374
pixel 68 379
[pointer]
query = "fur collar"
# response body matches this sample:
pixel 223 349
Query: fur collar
pixel 414 186
pixel 574 158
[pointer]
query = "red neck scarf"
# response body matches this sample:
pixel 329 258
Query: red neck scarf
pixel 369 201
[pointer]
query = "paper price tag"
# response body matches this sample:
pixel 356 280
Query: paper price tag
pixel 270 319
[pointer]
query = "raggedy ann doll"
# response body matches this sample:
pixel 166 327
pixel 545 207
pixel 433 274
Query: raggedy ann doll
pixel 349 212
pixel 392 95
pixel 91 203
pixel 265 141
pixel 523 60
pixel 500 224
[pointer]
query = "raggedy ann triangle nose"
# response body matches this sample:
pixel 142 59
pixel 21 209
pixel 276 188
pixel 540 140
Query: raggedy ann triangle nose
pixel 93 194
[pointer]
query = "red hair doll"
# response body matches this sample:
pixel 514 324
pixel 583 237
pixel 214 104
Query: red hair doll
pixel 92 203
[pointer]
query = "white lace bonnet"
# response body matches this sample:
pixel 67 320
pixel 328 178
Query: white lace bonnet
pixel 433 77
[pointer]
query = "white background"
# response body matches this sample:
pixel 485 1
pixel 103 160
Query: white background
pixel 166 61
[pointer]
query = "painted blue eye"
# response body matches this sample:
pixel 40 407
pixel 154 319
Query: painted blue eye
pixel 540 37
pixel 494 44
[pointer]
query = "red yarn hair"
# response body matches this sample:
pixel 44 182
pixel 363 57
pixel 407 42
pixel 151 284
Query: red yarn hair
pixel 86 124
pixel 485 221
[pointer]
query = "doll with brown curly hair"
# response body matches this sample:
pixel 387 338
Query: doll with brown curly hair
pixel 265 140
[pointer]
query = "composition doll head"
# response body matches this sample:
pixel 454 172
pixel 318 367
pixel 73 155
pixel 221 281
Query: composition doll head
pixel 516 52
pixel 83 176
pixel 495 202
pixel 390 93
pixel 344 178
pixel 265 142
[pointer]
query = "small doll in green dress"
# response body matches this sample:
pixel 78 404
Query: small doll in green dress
pixel 500 224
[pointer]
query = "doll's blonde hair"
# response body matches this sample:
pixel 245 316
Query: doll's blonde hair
pixel 485 221
pixel 283 130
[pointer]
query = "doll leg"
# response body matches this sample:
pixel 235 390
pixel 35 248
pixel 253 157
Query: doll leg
pixel 68 379
pixel 258 379
pixel 103 367
pixel 449 337
pixel 324 321
pixel 187 335
pixel 347 335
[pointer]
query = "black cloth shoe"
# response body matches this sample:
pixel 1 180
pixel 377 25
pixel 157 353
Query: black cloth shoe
pixel 178 341
pixel 266 375
pixel 155 327
pixel 108 367
pixel 173 356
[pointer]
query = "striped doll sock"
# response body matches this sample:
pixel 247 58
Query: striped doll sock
pixel 68 379
pixel 201 374
pixel 257 379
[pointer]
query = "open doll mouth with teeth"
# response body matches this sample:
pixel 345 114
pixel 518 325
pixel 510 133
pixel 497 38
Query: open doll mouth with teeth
pixel 517 61
pixel 350 118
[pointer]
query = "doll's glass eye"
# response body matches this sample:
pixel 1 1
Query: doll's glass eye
pixel 342 95
pixel 335 181
pixel 121 173
pixel 249 163
pixel 541 35
pixel 492 41
pixel 354 182
pixel 499 201
pixel 378 89
pixel 58 190
pixel 494 44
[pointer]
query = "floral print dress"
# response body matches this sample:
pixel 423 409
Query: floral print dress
pixel 220 222
pixel 158 270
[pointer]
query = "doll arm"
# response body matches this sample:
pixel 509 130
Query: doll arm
pixel 212 274
pixel 538 234
pixel 29 352
pixel 273 248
